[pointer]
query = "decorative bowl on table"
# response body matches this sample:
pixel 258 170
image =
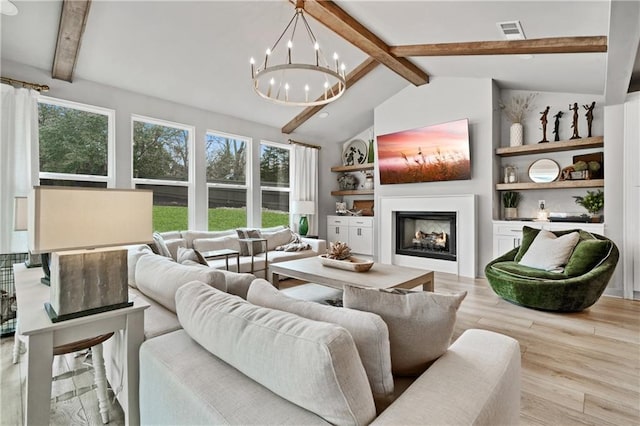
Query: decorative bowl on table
pixel 349 264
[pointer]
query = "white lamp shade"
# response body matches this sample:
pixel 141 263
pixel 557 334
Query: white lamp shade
pixel 20 214
pixel 303 207
pixel 67 218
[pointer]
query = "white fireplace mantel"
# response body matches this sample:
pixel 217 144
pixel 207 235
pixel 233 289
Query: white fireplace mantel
pixel 465 208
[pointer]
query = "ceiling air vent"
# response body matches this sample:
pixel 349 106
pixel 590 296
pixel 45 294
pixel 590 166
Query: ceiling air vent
pixel 511 30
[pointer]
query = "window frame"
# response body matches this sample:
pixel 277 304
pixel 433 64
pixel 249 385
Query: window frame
pixel 289 148
pixel 111 142
pixel 191 173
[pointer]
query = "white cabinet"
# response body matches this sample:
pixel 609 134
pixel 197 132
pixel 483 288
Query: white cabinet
pixel 337 229
pixel 507 235
pixel 356 231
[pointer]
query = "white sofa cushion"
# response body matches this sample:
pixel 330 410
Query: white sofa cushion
pixel 277 238
pixel 159 277
pixel 209 244
pixel 420 323
pixel 313 364
pixel 188 254
pixel 369 331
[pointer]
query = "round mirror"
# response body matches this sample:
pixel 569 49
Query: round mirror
pixel 544 170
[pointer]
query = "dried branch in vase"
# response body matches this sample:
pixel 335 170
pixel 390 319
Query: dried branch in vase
pixel 518 106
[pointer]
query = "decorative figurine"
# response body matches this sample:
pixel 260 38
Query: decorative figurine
pixel 543 120
pixel 556 126
pixel 589 116
pixel 574 125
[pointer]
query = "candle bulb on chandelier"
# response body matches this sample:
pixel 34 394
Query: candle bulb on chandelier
pixel 326 89
pixel 289 46
pixel 252 62
pixel 271 83
pixel 335 58
pixel 266 57
pixel 306 93
pixel 343 67
pixel 316 46
pixel 286 91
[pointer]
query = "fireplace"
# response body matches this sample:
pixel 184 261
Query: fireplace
pixel 426 234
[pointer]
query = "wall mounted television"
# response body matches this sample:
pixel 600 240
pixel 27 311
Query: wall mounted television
pixel 439 152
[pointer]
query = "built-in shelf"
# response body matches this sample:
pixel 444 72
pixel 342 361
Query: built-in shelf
pixel 355 168
pixel 353 192
pixel 587 183
pixel 541 148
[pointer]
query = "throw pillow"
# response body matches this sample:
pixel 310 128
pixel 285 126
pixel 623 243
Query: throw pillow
pixel 528 235
pixel 160 245
pixel 134 253
pixel 210 244
pixel 159 278
pixel 312 364
pixel 420 323
pixel 586 256
pixel 173 245
pixel 258 246
pixel 369 331
pixel 549 252
pixel 190 254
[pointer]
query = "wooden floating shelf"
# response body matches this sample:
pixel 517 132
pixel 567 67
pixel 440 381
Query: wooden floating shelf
pixel 355 168
pixel 569 184
pixel 569 145
pixel 353 192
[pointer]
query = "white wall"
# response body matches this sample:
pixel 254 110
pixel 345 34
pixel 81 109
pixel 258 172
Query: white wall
pixel 126 103
pixel 442 100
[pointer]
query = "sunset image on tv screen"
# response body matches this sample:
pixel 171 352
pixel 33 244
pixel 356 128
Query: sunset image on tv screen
pixel 433 153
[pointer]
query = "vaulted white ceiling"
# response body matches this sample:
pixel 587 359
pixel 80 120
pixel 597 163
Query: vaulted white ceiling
pixel 197 53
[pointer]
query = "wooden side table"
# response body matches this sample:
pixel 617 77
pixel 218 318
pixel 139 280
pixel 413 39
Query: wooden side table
pixel 44 335
pixel 250 242
pixel 226 253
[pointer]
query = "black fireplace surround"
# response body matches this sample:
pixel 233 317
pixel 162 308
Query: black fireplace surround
pixel 413 239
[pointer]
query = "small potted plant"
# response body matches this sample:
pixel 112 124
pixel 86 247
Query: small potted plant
pixel 515 110
pixel 593 202
pixel 510 201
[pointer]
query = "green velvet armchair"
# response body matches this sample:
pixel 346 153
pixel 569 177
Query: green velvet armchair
pixel 585 277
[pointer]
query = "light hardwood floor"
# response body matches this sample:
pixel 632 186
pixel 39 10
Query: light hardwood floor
pixel 581 368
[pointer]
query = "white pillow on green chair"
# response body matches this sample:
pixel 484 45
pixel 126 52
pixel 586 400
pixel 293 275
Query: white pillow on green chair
pixel 549 252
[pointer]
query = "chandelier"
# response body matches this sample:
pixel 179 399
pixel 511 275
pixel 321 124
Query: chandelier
pixel 304 77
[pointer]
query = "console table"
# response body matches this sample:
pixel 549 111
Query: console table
pixel 43 336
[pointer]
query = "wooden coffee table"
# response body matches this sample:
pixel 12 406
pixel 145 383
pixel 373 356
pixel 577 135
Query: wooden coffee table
pixel 379 276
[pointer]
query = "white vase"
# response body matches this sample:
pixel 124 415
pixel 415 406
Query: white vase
pixel 516 134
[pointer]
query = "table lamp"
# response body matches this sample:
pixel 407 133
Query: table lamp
pixel 20 223
pixel 80 227
pixel 303 208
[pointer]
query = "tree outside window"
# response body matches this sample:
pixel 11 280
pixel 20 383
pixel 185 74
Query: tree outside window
pixel 75 142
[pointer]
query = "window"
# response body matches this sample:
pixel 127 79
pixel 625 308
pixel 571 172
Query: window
pixel 161 157
pixel 274 183
pixel 227 180
pixel 76 143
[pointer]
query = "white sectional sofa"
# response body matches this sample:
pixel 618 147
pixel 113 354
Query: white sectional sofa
pixel 204 241
pixel 239 363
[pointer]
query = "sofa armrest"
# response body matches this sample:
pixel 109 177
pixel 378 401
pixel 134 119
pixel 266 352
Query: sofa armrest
pixel 477 381
pixel 317 245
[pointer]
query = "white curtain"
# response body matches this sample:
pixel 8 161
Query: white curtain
pixel 18 140
pixel 304 183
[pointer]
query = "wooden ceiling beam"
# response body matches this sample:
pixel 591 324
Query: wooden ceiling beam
pixel 337 20
pixel 73 20
pixel 360 71
pixel 506 47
